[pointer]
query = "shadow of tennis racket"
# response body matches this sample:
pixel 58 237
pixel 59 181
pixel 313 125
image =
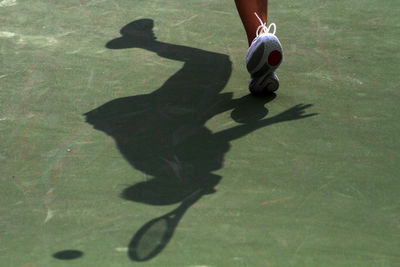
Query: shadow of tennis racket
pixel 154 236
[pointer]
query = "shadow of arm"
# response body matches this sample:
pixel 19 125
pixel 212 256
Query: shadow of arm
pixel 294 113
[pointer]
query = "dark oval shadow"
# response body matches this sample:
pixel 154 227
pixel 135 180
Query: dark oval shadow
pixel 68 254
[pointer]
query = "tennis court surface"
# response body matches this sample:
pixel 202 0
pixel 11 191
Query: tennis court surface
pixel 128 136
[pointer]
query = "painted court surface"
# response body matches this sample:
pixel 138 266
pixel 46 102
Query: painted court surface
pixel 128 136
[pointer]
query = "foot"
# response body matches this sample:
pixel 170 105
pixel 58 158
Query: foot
pixel 263 58
pixel 264 85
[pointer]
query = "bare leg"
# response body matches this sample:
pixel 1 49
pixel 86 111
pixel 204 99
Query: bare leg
pixel 246 9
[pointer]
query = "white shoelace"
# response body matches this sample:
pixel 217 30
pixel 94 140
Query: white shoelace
pixel 263 27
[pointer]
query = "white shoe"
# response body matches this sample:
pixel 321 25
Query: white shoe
pixel 263 58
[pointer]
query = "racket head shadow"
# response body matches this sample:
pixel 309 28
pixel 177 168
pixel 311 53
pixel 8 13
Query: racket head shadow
pixel 155 235
pixel 151 239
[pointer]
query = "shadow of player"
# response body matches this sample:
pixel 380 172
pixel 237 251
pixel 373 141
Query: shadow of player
pixel 163 133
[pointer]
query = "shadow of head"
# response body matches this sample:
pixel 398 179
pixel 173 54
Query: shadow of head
pixel 135 34
pixel 161 191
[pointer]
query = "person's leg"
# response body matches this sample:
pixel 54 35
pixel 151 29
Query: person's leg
pixel 246 9
pixel 265 51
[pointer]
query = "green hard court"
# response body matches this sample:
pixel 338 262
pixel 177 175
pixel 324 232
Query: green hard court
pixel 129 137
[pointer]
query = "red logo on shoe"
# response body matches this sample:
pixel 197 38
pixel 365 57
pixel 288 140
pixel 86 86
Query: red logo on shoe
pixel 274 58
